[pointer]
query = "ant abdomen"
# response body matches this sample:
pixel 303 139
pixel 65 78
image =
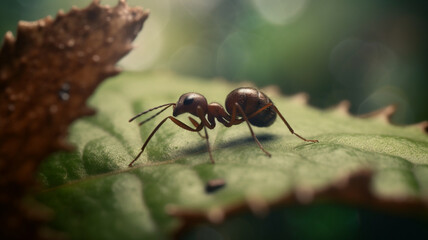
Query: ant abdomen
pixel 251 100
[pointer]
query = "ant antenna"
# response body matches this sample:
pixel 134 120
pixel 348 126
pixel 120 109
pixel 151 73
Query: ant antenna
pixel 151 109
pixel 148 119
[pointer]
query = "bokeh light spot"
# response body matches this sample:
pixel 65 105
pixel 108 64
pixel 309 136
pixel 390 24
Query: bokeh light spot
pixel 385 96
pixel 192 58
pixel 199 8
pixel 232 55
pixel 280 11
pixel 148 47
pixel 360 63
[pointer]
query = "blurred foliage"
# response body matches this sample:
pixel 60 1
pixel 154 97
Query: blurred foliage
pixel 371 52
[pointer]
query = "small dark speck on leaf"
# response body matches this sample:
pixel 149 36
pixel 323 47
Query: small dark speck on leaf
pixel 214 185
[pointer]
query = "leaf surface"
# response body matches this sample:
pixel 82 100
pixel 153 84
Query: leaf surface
pixel 96 195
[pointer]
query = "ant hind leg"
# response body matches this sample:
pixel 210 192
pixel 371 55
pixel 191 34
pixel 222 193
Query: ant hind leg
pixel 289 127
pixel 249 126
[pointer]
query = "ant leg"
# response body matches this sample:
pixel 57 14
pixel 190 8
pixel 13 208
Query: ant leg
pixel 235 121
pixel 260 110
pixel 184 126
pixel 283 119
pixel 208 145
pixel 249 126
pixel 289 127
pixel 147 141
pixel 196 124
pixel 176 121
pixel 200 113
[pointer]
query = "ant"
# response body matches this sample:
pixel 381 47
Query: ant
pixel 244 104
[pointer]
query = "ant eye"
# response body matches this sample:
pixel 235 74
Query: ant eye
pixel 188 100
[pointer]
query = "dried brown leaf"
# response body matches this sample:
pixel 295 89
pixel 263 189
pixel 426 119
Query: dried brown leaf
pixel 46 74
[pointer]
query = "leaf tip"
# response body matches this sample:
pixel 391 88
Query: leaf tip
pixel 9 39
pixel 383 114
pixel 343 107
pixel 423 126
pixel 216 215
pixel 111 70
pixel 257 205
pixel 272 90
pixel 300 98
pixel 304 195
pixel 60 14
pixel 24 25
pixel 74 8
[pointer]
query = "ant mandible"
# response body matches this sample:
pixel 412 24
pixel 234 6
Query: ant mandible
pixel 245 104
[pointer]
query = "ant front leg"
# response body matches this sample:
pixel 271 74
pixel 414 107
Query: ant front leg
pixel 283 119
pixel 174 120
pixel 237 106
pixel 208 145
pixel 196 124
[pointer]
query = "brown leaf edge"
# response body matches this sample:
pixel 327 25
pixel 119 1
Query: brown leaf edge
pixel 384 114
pixel 354 189
pixel 343 107
pixel 46 75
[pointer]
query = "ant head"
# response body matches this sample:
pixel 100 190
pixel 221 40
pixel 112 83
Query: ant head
pixel 189 102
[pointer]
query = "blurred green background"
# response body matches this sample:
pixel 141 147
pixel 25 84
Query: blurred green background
pixel 371 52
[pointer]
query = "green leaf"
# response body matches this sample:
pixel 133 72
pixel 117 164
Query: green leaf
pixel 96 196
